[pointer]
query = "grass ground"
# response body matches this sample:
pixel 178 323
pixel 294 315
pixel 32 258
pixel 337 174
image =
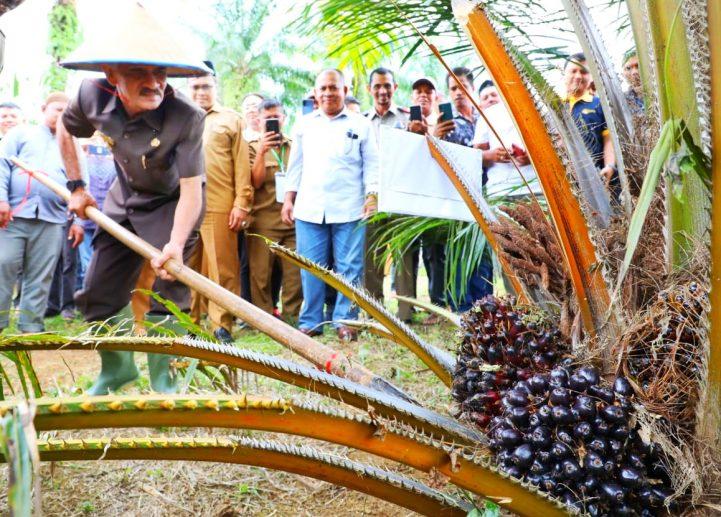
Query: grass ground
pixel 194 488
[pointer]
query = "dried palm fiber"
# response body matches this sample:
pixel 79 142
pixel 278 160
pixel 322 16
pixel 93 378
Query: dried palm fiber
pixel 531 247
pixel 647 272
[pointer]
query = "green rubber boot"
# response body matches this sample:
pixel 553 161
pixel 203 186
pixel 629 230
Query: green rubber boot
pixel 116 368
pixel 161 379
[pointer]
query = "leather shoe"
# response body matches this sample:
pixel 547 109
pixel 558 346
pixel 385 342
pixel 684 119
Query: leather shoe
pixel 312 332
pixel 223 336
pixel 347 333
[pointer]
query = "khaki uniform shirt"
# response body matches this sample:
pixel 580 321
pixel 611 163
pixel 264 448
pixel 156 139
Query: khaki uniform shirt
pixel 266 210
pixel 152 152
pixel 395 117
pixel 227 165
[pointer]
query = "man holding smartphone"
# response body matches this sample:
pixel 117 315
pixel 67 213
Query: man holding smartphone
pixel 269 160
pixel 382 86
pixel 229 201
pixel 332 184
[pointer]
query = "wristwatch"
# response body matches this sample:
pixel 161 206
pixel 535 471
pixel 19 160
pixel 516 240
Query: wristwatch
pixel 73 185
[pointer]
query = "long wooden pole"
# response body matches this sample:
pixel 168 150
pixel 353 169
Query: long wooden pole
pixel 317 353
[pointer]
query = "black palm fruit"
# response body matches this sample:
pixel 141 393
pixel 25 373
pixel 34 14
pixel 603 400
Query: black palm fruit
pixel 495 333
pixel 578 444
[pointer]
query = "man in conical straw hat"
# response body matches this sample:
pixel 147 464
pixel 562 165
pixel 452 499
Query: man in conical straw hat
pixel 155 134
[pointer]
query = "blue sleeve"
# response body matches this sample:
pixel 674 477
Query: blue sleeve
pixel 8 149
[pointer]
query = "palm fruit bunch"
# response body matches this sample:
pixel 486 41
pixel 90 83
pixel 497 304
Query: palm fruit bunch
pixel 663 355
pixel 502 344
pixel 569 433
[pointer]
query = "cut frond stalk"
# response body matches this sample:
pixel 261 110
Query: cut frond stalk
pixel 686 199
pixel 471 470
pixel 709 428
pixel 439 361
pixel 481 213
pixel 305 377
pixel 568 220
pixel 433 309
pixel 369 326
pixel 304 461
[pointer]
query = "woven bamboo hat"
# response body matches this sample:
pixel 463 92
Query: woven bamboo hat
pixel 135 37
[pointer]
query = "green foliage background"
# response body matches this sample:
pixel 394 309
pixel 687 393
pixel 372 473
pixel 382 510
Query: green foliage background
pixel 63 38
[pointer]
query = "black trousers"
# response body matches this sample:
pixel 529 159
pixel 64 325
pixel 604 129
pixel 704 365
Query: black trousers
pixel 434 260
pixel 244 267
pixel 113 273
pixel 62 289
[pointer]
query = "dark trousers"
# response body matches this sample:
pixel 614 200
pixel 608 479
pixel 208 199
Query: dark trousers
pixel 434 260
pixel 406 275
pixel 372 269
pixel 479 285
pixel 113 273
pixel 244 267
pixel 64 283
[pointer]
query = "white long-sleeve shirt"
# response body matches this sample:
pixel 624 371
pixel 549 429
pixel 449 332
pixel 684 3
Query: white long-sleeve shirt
pixel 333 165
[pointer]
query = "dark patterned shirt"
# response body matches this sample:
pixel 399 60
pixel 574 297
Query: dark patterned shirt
pixel 463 133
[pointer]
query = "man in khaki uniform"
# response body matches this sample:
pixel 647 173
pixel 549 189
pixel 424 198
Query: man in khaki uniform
pixel 266 155
pixel 229 201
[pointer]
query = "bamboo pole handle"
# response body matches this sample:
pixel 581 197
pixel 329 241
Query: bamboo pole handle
pixel 317 353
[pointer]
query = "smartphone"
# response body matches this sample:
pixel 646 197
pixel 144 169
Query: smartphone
pixel 272 125
pixel 446 111
pixel 416 113
pixel 308 106
pixel 517 151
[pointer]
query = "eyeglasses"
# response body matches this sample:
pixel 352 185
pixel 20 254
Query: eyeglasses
pixel 203 87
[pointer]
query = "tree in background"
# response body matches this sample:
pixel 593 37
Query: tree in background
pixel 64 36
pixel 248 59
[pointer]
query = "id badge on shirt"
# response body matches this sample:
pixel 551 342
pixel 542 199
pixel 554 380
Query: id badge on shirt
pixel 280 187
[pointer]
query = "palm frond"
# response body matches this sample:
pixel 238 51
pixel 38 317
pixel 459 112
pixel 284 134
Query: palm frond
pixel 593 190
pixel 454 318
pixel 482 213
pixel 709 427
pixel 439 361
pixel 568 220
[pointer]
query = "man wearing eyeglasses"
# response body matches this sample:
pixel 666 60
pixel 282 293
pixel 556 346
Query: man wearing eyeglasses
pixel 229 200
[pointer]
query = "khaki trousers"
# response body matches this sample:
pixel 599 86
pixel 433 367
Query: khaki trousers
pixel 261 261
pixel 216 257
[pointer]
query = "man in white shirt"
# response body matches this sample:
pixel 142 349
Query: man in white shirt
pixel 331 184
pixel 503 178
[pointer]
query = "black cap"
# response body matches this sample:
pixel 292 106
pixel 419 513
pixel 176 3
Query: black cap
pixel 210 65
pixel 423 80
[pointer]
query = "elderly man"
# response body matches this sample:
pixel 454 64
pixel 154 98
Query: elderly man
pixel 229 201
pixel 32 217
pixel 332 184
pixel 10 116
pixel 155 135
pixel 269 157
pixel 382 86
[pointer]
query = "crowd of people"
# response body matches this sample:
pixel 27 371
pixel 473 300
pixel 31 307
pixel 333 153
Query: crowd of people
pixel 201 182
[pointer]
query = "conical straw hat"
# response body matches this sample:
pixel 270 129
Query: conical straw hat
pixel 135 37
